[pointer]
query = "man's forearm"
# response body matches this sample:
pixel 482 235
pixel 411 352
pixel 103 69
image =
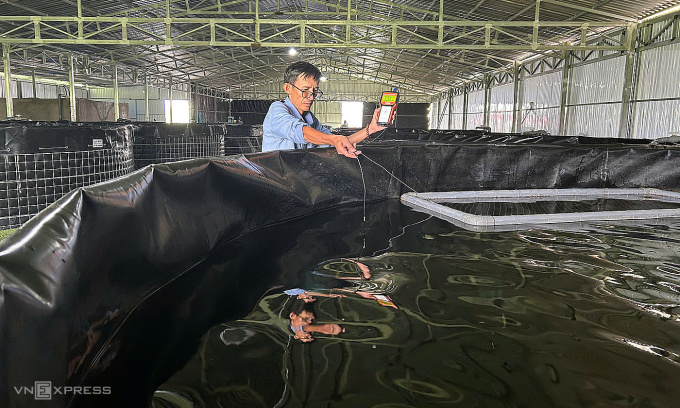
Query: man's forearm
pixel 358 136
pixel 318 138
pixel 364 133
pixel 323 328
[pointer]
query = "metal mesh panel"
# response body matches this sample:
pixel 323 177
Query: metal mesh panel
pixel 166 143
pixel 173 148
pixel 31 182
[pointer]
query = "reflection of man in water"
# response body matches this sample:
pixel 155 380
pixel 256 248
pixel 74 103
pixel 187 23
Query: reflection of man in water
pixel 307 296
pixel 301 318
pixel 349 276
pixel 354 277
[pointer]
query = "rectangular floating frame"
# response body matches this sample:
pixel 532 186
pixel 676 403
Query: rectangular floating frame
pixel 429 203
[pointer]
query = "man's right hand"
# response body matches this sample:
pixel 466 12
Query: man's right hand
pixel 344 146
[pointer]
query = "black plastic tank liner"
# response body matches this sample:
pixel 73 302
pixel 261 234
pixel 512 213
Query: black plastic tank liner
pixel 27 138
pixel 484 137
pixel 79 282
pixel 249 111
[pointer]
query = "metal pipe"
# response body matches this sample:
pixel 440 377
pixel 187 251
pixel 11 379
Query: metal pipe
pixel 630 82
pixel 215 105
pixel 515 97
pixel 565 93
pixel 8 80
pixel 170 98
pixel 80 19
pixel 536 23
pixel 72 88
pixel 116 108
pixel 429 203
pixel 146 97
pixel 450 108
pixel 487 98
pixel 465 105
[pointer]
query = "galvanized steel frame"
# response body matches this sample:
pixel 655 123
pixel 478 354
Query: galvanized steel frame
pixel 173 23
pixel 228 32
pixel 166 23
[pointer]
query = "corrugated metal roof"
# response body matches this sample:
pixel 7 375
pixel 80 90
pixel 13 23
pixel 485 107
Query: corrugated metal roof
pixel 429 70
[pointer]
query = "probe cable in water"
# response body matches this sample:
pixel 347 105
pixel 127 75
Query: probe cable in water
pixel 363 181
pixel 388 172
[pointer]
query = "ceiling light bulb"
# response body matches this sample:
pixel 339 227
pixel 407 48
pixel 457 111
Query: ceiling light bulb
pixel 323 79
pixel 292 51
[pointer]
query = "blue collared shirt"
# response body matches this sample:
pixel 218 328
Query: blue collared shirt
pixel 282 127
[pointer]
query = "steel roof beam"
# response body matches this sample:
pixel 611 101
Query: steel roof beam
pixel 591 10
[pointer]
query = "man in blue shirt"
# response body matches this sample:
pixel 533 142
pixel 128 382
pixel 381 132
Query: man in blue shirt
pixel 290 124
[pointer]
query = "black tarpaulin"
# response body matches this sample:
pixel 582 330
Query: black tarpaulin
pixel 81 283
pixel 41 137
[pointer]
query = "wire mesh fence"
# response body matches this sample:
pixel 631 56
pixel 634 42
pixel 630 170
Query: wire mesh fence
pixel 41 162
pixel 162 143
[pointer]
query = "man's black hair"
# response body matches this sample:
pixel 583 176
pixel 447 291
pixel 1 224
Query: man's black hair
pixel 299 306
pixel 303 68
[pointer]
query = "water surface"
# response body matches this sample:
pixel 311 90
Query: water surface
pixel 536 318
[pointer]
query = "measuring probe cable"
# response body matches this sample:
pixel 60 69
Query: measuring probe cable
pixel 363 181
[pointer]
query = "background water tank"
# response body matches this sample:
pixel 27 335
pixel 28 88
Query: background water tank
pixel 39 163
pixel 243 139
pixel 166 142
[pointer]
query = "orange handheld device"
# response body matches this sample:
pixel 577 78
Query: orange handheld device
pixel 388 107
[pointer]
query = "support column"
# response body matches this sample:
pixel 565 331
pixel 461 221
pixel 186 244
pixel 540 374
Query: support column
pixel 215 105
pixel 79 7
pixel 451 108
pixel 192 103
pixel 465 105
pixel 116 109
pixel 72 88
pixel 629 82
pixel 515 98
pixel 146 97
pixel 8 80
pixel 565 92
pixel 487 99
pixel 170 98
pixel 35 94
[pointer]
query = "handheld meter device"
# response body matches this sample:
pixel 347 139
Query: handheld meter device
pixel 388 107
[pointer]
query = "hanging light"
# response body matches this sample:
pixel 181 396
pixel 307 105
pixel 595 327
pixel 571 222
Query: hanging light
pixel 323 79
pixel 292 51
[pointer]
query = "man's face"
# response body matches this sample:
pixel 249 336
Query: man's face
pixel 307 84
pixel 304 318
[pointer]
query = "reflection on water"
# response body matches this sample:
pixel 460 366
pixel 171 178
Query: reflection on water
pixel 535 318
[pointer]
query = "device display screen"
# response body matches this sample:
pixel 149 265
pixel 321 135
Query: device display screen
pixel 384 116
pixel 389 98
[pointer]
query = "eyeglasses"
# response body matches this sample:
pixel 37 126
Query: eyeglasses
pixel 316 93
